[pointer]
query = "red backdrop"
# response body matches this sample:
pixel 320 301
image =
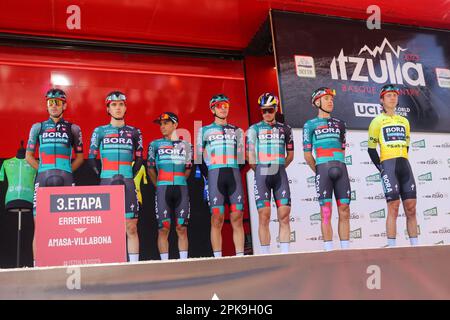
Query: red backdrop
pixel 153 84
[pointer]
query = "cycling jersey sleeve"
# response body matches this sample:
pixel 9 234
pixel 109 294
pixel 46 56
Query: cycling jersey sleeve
pixel 95 143
pixel 307 137
pixel 138 145
pixel 408 133
pixel 374 133
pixel 240 150
pixel 289 138
pixel 343 135
pixel 77 138
pixel 151 156
pixel 189 154
pixel 33 137
pixel 199 146
pixel 250 145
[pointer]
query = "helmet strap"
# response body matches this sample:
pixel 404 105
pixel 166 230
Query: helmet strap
pixel 320 107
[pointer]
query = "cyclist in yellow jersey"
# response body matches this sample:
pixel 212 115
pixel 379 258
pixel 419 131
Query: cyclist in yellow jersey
pixel 392 133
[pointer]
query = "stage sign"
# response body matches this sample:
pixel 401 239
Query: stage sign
pixel 80 225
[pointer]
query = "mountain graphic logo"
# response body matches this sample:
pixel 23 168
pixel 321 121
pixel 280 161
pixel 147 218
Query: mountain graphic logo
pixel 380 49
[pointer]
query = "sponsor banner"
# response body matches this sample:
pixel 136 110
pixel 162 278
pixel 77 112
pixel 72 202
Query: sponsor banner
pixel 80 225
pixel 358 69
pixel 368 209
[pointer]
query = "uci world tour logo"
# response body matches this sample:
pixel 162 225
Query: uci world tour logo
pixel 387 57
pixel 315 217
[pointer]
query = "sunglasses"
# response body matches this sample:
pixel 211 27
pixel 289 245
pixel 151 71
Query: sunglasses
pixel 268 110
pixel 57 102
pixel 222 105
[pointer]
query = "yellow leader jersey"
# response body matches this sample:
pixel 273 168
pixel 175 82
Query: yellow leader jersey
pixel 393 135
pixel 137 181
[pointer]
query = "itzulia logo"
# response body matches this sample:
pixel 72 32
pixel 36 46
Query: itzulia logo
pixel 406 73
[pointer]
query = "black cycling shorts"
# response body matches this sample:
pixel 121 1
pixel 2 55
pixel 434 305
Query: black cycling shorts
pixel 397 179
pixel 333 176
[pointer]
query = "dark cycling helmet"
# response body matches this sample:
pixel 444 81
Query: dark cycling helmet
pixel 115 96
pixel 389 88
pixel 320 92
pixel 56 94
pixel 268 100
pixel 218 98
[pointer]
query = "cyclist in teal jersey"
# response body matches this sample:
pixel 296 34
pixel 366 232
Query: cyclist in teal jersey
pixel 118 145
pixel 326 136
pixel 169 165
pixel 270 149
pixel 220 146
pixel 56 138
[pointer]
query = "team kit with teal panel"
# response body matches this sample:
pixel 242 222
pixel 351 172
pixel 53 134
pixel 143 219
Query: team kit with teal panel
pixel 222 149
pixel 171 159
pixel 326 137
pixel 118 147
pixel 56 141
pixel 268 143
